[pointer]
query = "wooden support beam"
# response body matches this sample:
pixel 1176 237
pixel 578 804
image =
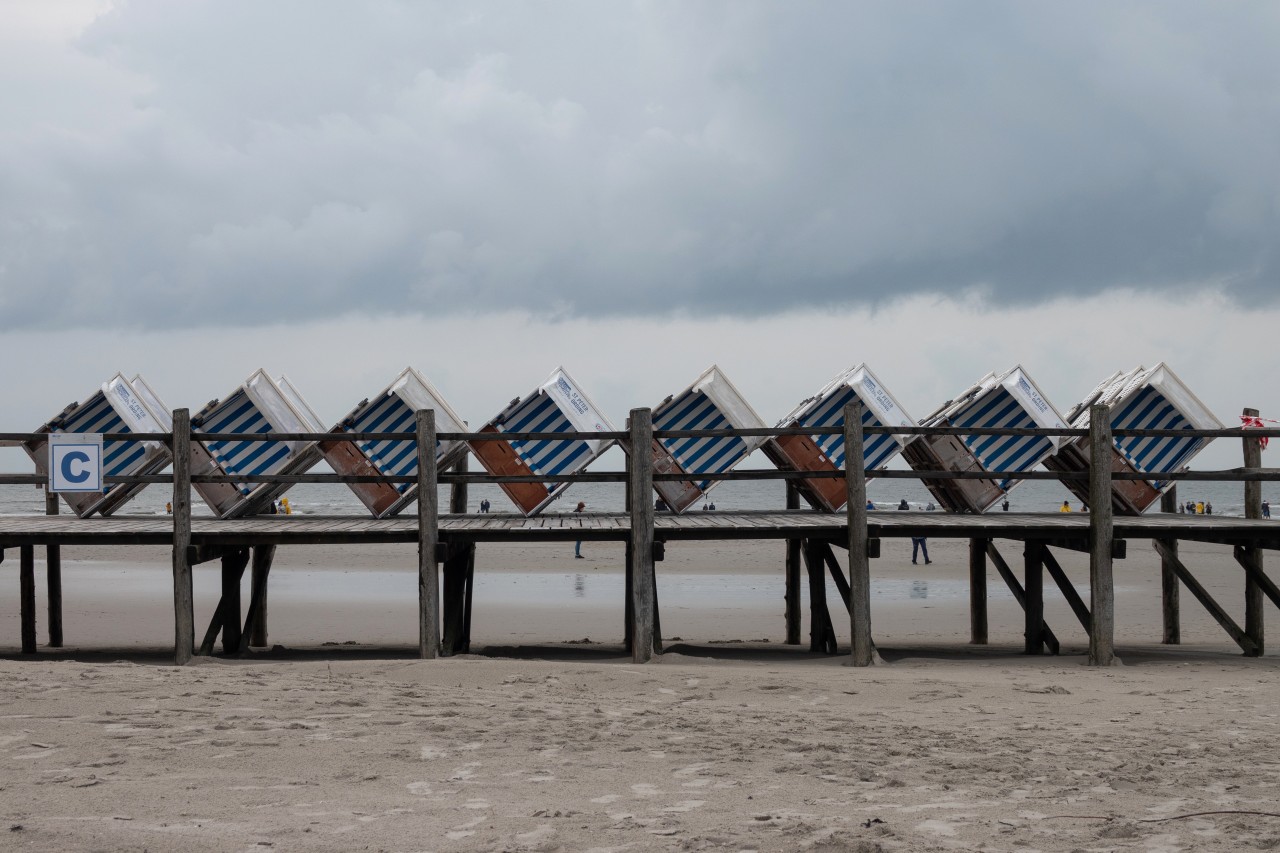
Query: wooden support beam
pixel 53 577
pixel 458 490
pixel 461 557
pixel 1169 606
pixel 1019 594
pixel 233 566
pixel 822 635
pixel 1068 590
pixel 640 562
pixel 184 621
pixel 862 652
pixel 837 574
pixel 1170 558
pixel 1250 560
pixel 255 621
pixel 978 591
pixel 1033 577
pixel 27 596
pixel 428 537
pixel 1101 533
pixel 792 595
pixel 1253 612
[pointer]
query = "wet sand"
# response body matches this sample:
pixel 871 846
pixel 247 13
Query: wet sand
pixel 341 740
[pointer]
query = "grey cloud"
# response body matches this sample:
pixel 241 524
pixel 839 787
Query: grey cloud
pixel 239 163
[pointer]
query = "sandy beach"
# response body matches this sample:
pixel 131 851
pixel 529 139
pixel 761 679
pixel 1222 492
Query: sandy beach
pixel 340 739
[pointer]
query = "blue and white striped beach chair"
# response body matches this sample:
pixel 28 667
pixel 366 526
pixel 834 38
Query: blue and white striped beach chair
pixel 116 407
pixel 1008 400
pixel 1140 399
pixel 393 410
pixel 711 402
pixel 260 405
pixel 827 452
pixel 558 405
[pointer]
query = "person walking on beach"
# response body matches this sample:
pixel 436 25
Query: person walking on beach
pixel 577 546
pixel 903 505
pixel 1200 508
pixel 1266 509
pixel 918 544
pixel 1066 507
pixel 870 505
pixel 1208 508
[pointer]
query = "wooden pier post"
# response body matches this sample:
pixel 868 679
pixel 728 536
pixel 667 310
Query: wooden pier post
pixel 255 623
pixel 792 594
pixel 27 596
pixel 53 573
pixel 978 592
pixel 1033 584
pixel 640 558
pixel 1169 604
pixel 862 652
pixel 233 566
pixel 428 537
pixel 1253 612
pixel 1101 534
pixel 459 571
pixel 184 622
pixel 822 634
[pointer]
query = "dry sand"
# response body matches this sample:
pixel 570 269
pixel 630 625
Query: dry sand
pixel 719 745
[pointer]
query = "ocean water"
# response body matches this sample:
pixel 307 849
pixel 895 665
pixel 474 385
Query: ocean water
pixel 337 499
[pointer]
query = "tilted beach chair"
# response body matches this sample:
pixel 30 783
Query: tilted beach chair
pixel 827 452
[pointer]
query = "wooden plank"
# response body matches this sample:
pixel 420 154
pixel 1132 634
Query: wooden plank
pixel 27 596
pixel 1246 557
pixel 1253 615
pixel 978 591
pixel 184 628
pixel 862 653
pixel 255 621
pixel 1101 533
pixel 791 612
pixel 1019 595
pixel 428 537
pixel 53 578
pixel 1170 611
pixel 1068 590
pixel 1033 572
pixel 233 566
pixel 640 566
pixel 1243 640
pixel 822 637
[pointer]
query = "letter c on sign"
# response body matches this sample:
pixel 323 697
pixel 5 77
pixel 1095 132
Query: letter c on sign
pixel 72 476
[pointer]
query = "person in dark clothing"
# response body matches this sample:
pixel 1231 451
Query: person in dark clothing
pixel 903 505
pixel 918 544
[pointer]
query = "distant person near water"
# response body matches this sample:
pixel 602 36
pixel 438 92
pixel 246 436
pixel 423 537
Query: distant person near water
pixel 1066 507
pixel 1005 506
pixel 918 544
pixel 1266 509
pixel 1200 508
pixel 903 505
pixel 870 505
pixel 577 546
pixel 1208 508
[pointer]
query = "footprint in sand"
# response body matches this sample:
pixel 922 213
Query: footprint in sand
pixel 644 789
pixel 432 752
pixel 477 804
pixel 686 806
pixel 606 799
pixel 420 789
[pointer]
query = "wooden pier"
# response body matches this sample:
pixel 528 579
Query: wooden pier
pixel 449 540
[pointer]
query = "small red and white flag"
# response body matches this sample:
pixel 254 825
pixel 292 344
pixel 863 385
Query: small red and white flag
pixel 1252 422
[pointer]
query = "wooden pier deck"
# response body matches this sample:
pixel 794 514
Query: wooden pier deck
pixel 16 531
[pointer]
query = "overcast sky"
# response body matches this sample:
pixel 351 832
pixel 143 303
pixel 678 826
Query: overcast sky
pixel 486 190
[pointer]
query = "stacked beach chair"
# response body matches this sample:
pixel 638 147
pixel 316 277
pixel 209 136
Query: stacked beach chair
pixel 558 405
pixel 393 410
pixel 260 405
pixel 711 402
pixel 1007 400
pixel 119 406
pixel 827 452
pixel 1142 398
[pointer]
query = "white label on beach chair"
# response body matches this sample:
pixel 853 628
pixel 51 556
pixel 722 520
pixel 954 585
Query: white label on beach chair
pixel 75 462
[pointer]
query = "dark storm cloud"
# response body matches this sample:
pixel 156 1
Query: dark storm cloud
pixel 238 163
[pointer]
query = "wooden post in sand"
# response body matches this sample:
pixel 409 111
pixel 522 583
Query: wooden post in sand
pixel 233 566
pixel 27 596
pixel 640 562
pixel 1169 605
pixel 459 570
pixel 184 623
pixel 53 573
pixel 428 536
pixel 792 594
pixel 1253 622
pixel 1101 534
pixel 1033 580
pixel 978 592
pixel 255 627
pixel 862 652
